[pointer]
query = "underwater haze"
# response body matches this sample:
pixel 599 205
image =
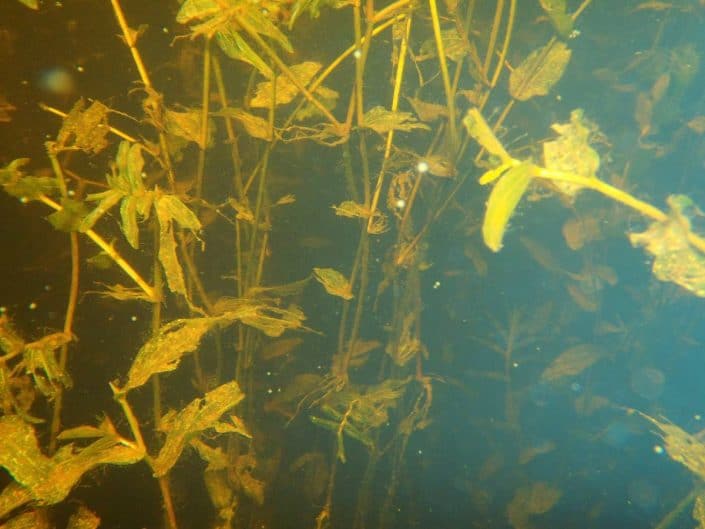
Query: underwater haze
pixel 283 264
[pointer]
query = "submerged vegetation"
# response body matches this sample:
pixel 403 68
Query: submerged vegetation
pixel 271 203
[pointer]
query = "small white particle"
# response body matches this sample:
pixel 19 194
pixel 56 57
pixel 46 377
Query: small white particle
pixel 422 166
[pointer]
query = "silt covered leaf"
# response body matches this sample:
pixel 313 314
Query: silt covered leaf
pixel 40 362
pixel 572 361
pixel 382 121
pixel 19 185
pixel 220 18
pixel 169 209
pixel 263 314
pixel 163 352
pixel 571 151
pixel 681 446
pixel 84 129
pixel 335 283
pixel 45 480
pixel 286 90
pixel 537 74
pixel 199 415
pixel 675 259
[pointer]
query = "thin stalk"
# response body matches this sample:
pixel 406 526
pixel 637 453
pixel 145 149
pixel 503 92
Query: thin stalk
pixel 450 96
pixel 68 330
pixel 390 135
pixel 285 69
pixel 111 252
pixel 205 105
pixel 499 8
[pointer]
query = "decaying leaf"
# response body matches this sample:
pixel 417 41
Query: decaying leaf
pixel 187 125
pixel 286 90
pixel 685 448
pixel 199 415
pixel 571 152
pixel 123 293
pixel 313 8
pixel 537 498
pixel 427 112
pixel 382 121
pixel 255 126
pixel 169 209
pixel 537 74
pixel 40 362
pixel 529 453
pixel 279 348
pixel 5 109
pixel 588 300
pixel 163 352
pixel 557 14
pixel 22 186
pixel 263 314
pixel 48 480
pixel 334 282
pixel 85 129
pixel 675 260
pixel 572 361
pixel 220 19
pixel 83 518
pixel 503 200
pixel 455 46
pixel 351 209
pixel 439 165
pixel 355 413
pixel 578 231
pixel 697 124
pixel 699 510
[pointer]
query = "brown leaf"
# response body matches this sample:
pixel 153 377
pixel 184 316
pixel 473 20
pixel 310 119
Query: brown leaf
pixel 85 130
pixel 334 282
pixel 382 121
pixel 572 361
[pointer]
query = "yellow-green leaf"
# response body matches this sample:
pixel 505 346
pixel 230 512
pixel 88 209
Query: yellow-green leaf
pixel 481 132
pixel 503 199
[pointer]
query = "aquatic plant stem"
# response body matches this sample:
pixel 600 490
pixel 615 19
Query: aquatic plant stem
pixel 401 61
pixel 111 252
pixel 450 96
pixel 205 103
pixel 489 53
pixel 286 71
pixel 121 398
pixel 131 39
pixel 71 305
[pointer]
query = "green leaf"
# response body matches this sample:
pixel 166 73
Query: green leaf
pixel 128 224
pixel 69 217
pixel 171 206
pixel 235 47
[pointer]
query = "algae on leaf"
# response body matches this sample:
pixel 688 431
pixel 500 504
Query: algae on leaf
pixel 199 415
pixel 675 259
